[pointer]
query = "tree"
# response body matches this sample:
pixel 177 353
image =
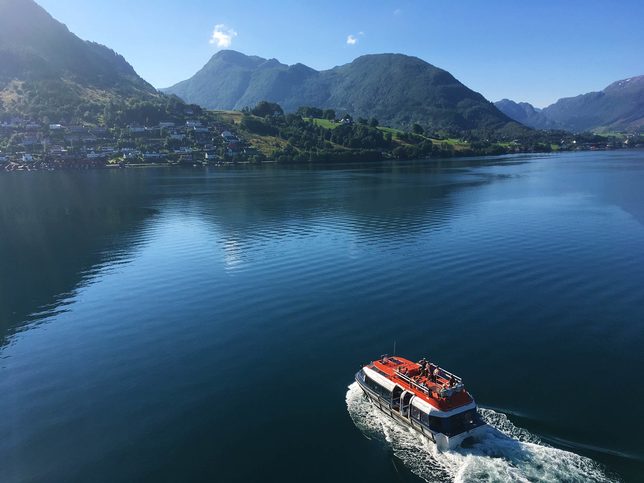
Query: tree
pixel 373 122
pixel 329 114
pixel 417 129
pixel 266 109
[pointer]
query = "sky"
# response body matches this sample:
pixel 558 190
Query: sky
pixel 524 50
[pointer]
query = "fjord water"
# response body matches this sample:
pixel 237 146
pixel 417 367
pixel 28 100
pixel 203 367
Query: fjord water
pixel 191 325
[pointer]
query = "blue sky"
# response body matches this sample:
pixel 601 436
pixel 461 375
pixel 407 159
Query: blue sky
pixel 535 51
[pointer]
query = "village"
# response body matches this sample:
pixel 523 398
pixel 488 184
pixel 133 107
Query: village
pixel 27 145
pixel 213 139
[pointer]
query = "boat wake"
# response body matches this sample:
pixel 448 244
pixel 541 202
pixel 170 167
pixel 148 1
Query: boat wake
pixel 504 453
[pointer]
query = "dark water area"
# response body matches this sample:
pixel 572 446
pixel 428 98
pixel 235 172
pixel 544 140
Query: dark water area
pixel 191 325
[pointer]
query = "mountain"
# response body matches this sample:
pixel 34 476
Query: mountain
pixel 46 70
pixel 526 113
pixel 396 89
pixel 619 107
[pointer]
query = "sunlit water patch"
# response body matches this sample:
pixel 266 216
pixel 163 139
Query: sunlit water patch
pixel 504 453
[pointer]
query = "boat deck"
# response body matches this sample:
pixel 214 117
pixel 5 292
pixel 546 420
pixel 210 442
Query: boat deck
pixel 445 391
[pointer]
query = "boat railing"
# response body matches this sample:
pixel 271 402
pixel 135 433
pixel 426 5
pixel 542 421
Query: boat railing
pixel 412 383
pixel 441 391
pixel 449 375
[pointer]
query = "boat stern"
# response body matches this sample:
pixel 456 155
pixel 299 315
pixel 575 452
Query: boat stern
pixel 446 443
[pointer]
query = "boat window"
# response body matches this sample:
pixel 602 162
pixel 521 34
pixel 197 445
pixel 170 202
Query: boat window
pixel 377 388
pixel 424 419
pixel 436 424
pixel 415 413
pixel 460 423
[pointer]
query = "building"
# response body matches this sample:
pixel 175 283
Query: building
pixel 229 137
pixel 211 156
pixel 152 155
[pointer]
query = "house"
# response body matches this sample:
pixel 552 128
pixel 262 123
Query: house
pixel 192 124
pixel 57 150
pixel 3 158
pixel 27 158
pixel 152 155
pixel 88 138
pixel 136 129
pixel 131 153
pixel 211 156
pixel 229 137
pixel 166 125
pixel 55 127
pixel 99 132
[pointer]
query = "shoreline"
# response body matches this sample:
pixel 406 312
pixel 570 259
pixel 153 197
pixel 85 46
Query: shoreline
pixel 272 162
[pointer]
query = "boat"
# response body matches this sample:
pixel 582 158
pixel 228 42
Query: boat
pixel 424 396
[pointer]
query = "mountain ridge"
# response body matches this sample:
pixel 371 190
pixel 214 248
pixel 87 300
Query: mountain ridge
pixel 618 107
pixel 397 89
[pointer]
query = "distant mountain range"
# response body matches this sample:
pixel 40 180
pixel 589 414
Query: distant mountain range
pixel 46 70
pixel 619 107
pixel 397 89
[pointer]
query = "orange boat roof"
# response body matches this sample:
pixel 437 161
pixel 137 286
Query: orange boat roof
pixel 408 375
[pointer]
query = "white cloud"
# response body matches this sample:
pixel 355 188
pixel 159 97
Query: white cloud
pixel 397 11
pixel 222 36
pixel 352 40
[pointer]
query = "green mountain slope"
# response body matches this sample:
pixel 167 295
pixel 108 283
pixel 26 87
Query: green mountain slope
pixel 397 89
pixel 47 71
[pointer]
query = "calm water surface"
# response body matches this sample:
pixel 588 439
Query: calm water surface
pixel 168 325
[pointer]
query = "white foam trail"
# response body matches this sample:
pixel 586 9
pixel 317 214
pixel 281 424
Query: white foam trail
pixel 504 453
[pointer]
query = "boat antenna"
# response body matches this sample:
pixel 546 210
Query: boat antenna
pixel 394 353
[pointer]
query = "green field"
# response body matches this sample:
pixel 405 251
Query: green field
pixel 325 123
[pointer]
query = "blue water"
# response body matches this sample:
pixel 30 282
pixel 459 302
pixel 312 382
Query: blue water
pixel 191 325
